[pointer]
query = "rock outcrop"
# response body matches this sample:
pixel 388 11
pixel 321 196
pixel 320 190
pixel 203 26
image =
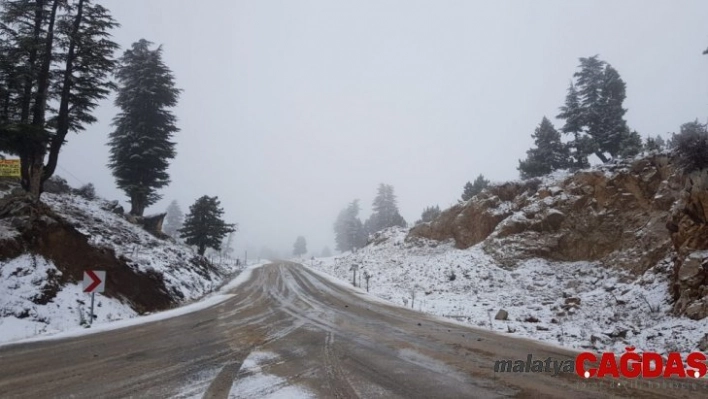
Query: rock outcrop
pixel 629 215
pixel 688 225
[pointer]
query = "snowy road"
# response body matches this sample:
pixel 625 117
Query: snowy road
pixel 291 333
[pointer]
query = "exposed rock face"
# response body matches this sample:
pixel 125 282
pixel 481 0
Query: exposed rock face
pixel 629 215
pixel 616 215
pixel 688 225
pixel 43 232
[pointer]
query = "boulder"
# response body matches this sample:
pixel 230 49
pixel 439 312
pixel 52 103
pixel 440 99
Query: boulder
pixel 502 315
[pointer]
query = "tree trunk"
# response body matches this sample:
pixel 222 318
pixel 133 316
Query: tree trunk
pixel 40 102
pixel 32 59
pixel 31 161
pixel 35 173
pixel 63 117
pixel 137 205
pixel 201 250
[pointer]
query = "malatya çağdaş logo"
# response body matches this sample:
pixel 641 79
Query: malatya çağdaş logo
pixel 630 364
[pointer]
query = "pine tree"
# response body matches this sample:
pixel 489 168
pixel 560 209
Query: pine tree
pixel 472 189
pixel 690 147
pixel 385 210
pixel 204 227
pixel 610 130
pixel 467 191
pixel 429 214
pixel 594 113
pixel 141 145
pixel 349 233
pixel 631 145
pixel 572 113
pixel 174 219
pixel 550 153
pixel 300 246
pixel 56 51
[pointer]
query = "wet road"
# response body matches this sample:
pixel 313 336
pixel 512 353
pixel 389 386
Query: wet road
pixel 288 332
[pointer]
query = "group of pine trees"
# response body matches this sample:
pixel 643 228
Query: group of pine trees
pixel 593 116
pixel 56 59
pixel 472 189
pixel 350 233
pixel 56 63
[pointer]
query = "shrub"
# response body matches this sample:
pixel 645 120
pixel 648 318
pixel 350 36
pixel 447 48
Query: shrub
pixel 690 147
pixel 87 191
pixel 56 185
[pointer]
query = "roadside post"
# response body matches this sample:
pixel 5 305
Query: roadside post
pixel 354 268
pixel 94 281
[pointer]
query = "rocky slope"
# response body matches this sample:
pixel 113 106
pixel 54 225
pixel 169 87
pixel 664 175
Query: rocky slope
pixel 45 248
pixel 601 259
pixel 628 216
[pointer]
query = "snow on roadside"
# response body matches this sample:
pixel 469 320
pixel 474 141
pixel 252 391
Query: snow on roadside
pixel 145 253
pixel 579 305
pixel 34 302
pixel 59 318
pixel 28 280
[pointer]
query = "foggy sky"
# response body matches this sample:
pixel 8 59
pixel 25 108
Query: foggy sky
pixel 291 109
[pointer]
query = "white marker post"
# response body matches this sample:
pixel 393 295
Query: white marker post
pixel 94 281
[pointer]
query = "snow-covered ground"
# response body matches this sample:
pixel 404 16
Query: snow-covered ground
pixel 61 318
pixel 34 303
pixel 580 305
pixel 22 282
pixel 144 252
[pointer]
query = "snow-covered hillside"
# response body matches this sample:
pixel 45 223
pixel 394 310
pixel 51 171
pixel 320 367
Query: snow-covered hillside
pixel 40 287
pixel 580 305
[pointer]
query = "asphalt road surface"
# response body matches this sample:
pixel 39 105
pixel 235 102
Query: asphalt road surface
pixel 289 333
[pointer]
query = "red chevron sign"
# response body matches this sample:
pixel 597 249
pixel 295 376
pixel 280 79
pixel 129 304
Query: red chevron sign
pixel 94 281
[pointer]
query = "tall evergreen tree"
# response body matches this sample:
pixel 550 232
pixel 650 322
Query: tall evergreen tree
pixel 550 153
pixel 50 50
pixel 385 210
pixel 572 113
pixel 300 246
pixel 141 144
pixel 204 227
pixel 174 219
pixel 349 233
pixel 594 113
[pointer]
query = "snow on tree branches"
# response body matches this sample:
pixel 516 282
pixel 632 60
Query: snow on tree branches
pixel 141 145
pixel 204 227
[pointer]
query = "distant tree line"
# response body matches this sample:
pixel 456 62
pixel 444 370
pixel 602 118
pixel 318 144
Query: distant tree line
pixel 350 233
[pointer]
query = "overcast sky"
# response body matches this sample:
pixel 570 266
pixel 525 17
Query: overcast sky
pixel 291 109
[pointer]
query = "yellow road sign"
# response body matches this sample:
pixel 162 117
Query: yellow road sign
pixel 9 168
